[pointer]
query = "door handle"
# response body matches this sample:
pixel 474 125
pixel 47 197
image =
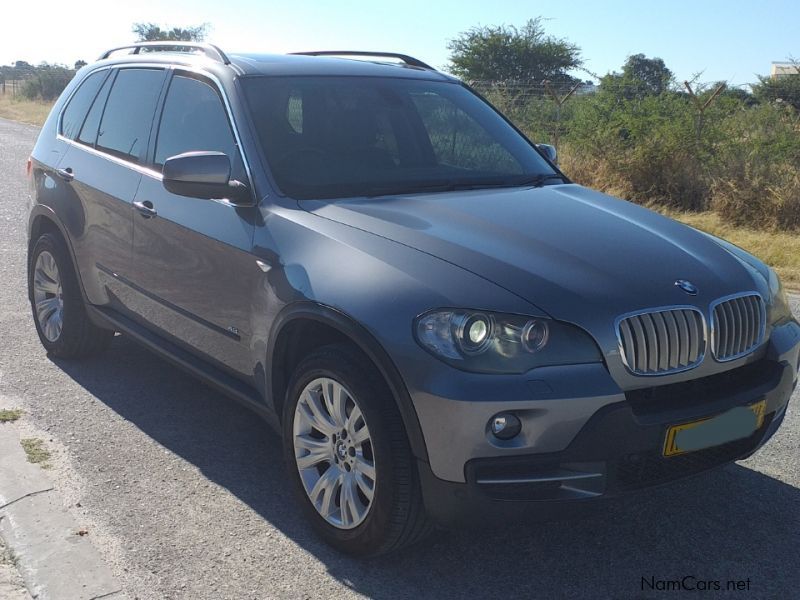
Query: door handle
pixel 145 209
pixel 65 174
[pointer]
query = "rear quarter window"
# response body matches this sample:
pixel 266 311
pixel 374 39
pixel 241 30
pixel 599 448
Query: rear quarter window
pixel 78 105
pixel 91 124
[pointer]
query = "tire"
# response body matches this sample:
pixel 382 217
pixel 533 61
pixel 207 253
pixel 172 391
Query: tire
pixel 52 278
pixel 395 516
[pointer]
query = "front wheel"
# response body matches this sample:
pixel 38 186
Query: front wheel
pixel 348 455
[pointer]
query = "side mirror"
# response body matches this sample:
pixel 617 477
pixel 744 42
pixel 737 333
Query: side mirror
pixel 549 151
pixel 205 175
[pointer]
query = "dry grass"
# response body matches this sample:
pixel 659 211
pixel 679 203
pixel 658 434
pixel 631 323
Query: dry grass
pixel 17 108
pixel 779 249
pixel 765 229
pixel 9 415
pixel 765 196
pixel 36 452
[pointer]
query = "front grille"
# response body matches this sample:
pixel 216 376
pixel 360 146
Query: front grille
pixel 737 326
pixel 662 341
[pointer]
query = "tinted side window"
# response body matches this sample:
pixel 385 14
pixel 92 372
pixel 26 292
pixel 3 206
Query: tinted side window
pixel 194 118
pixel 88 134
pixel 125 126
pixel 79 104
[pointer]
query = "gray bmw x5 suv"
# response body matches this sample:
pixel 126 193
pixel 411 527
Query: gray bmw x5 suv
pixel 366 253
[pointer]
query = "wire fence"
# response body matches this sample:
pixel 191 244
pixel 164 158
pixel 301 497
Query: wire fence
pixel 543 107
pixel 524 90
pixel 546 98
pixel 11 87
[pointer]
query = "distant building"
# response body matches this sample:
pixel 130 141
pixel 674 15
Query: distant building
pixel 779 69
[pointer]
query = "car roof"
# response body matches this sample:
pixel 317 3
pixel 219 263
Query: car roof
pixel 247 64
pixel 294 64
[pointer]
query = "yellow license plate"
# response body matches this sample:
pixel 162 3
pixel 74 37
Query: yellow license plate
pixel 735 424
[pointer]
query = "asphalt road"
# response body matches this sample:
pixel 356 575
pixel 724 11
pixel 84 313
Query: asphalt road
pixel 184 492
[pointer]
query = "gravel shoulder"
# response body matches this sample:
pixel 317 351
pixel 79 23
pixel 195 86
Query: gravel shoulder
pixel 12 587
pixel 184 491
pixel 51 553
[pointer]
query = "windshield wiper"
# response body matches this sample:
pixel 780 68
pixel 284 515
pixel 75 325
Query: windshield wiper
pixel 453 185
pixel 522 181
pixel 539 180
pixel 413 188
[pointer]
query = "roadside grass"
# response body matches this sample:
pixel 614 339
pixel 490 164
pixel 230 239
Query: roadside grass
pixel 7 557
pixel 21 109
pixel 36 452
pixel 8 415
pixel 779 249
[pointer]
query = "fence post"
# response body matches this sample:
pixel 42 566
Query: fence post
pixel 699 121
pixel 559 103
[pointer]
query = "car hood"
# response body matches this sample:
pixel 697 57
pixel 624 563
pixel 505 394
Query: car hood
pixel 574 253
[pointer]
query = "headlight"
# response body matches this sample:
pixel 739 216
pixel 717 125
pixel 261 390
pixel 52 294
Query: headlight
pixel 485 342
pixel 778 308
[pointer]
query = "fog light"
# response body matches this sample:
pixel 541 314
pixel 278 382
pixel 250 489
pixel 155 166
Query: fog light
pixel 505 426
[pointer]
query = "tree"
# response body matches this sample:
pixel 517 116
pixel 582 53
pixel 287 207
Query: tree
pixel 652 74
pixel 79 64
pixel 149 32
pixel 507 53
pixel 737 94
pixel 784 88
pixel 23 69
pixel 47 82
pixel 641 76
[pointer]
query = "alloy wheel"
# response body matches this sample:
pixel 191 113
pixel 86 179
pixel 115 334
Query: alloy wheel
pixel 334 453
pixel 48 296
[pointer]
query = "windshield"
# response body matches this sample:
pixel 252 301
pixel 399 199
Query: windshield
pixel 335 137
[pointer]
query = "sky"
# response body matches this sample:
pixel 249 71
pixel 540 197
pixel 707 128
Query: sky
pixel 731 40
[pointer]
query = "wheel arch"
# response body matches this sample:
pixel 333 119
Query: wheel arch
pixel 43 220
pixel 330 325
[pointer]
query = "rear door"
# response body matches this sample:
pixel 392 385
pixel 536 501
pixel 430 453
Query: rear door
pixel 192 265
pixel 103 167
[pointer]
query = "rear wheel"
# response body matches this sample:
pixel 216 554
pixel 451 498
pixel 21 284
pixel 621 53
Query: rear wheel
pixel 348 455
pixel 59 312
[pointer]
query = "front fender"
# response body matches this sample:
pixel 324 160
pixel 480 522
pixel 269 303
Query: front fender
pixel 355 332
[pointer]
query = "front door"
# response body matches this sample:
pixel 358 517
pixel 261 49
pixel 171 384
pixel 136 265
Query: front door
pixel 192 268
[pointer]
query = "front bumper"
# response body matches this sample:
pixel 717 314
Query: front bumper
pixel 619 447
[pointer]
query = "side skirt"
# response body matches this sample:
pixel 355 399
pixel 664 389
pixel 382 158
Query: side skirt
pixel 228 385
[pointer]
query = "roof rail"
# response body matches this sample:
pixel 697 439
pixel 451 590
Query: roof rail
pixel 209 50
pixel 409 60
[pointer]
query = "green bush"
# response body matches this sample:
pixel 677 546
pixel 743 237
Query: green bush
pixel 47 82
pixel 756 168
pixel 738 156
pixel 780 89
pixel 649 146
